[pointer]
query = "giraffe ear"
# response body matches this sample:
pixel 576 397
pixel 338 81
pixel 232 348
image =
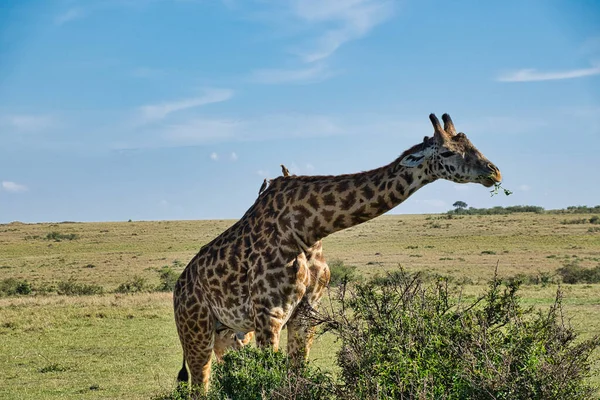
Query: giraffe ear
pixel 416 158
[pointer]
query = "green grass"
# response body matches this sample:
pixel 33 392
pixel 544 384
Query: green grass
pixel 125 345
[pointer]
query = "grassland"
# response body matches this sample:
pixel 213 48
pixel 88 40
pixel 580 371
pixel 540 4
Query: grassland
pixel 126 346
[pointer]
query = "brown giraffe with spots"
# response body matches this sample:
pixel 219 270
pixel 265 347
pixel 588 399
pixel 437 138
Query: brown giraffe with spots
pixel 256 275
pixel 301 341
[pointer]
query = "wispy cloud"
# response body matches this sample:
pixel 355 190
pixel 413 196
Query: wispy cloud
pixel 233 156
pixel 13 187
pixel 324 26
pixel 339 21
pixel 27 122
pixel 214 156
pixel 533 75
pixel 154 112
pixel 301 75
pixel 274 126
pixel 68 16
pixel 196 131
pixel 437 203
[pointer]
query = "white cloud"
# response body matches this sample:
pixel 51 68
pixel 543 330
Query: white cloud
pixel 532 75
pixel 13 187
pixel 28 122
pixel 302 75
pixel 263 173
pixel 154 112
pixel 310 167
pixel 351 19
pixel 524 188
pixel 233 156
pixel 201 131
pixel 325 25
pixel 68 16
pixel 214 156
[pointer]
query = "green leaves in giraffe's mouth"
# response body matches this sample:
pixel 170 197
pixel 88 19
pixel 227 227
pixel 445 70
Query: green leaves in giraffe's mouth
pixel 497 188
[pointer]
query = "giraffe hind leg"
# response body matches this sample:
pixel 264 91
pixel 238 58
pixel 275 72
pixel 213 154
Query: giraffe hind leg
pixel 196 328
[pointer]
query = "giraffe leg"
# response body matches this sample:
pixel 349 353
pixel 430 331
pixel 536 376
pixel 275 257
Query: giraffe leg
pixel 267 324
pixel 228 339
pixel 196 328
pixel 300 335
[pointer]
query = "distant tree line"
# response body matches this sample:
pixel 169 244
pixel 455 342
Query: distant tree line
pixel 461 209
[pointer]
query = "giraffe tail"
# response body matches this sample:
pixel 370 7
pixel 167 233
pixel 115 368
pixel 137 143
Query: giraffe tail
pixel 183 375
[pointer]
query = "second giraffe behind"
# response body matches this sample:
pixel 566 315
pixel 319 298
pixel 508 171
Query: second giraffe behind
pixel 255 275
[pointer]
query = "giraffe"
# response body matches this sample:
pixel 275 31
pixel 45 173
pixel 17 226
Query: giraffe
pixel 255 276
pixel 300 336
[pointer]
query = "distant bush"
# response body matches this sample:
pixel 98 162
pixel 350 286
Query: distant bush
pixel 72 288
pixel 136 285
pixel 595 220
pixel 342 273
pixel 541 278
pixel 13 287
pixel 57 236
pixel 168 277
pixel 572 273
pixel 574 221
pixel 498 210
pixel 578 210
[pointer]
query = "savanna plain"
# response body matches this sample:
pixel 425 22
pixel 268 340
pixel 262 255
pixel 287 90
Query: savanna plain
pixel 86 317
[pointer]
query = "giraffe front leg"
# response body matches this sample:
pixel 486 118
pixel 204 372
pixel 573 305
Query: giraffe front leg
pixel 268 324
pixel 301 332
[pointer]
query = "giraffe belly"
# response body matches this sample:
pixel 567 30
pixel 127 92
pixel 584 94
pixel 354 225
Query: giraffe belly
pixel 243 322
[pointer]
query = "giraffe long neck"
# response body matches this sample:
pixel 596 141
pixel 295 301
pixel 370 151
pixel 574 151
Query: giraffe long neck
pixel 323 205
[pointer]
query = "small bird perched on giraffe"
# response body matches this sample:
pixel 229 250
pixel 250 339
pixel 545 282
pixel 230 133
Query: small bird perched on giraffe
pixel 263 186
pixel 284 171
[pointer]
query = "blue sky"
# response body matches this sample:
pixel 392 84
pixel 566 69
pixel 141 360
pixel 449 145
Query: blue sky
pixel 147 109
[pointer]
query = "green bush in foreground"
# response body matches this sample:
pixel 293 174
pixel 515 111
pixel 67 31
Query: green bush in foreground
pixel 257 374
pixel 403 339
pixel 406 340
pixel 264 374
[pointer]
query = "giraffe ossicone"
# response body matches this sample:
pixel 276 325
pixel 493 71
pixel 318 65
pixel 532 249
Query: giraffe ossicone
pixel 267 270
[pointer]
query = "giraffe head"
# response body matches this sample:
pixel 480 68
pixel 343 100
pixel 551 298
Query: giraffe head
pixel 450 155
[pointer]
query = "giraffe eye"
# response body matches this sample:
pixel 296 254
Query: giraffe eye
pixel 447 154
